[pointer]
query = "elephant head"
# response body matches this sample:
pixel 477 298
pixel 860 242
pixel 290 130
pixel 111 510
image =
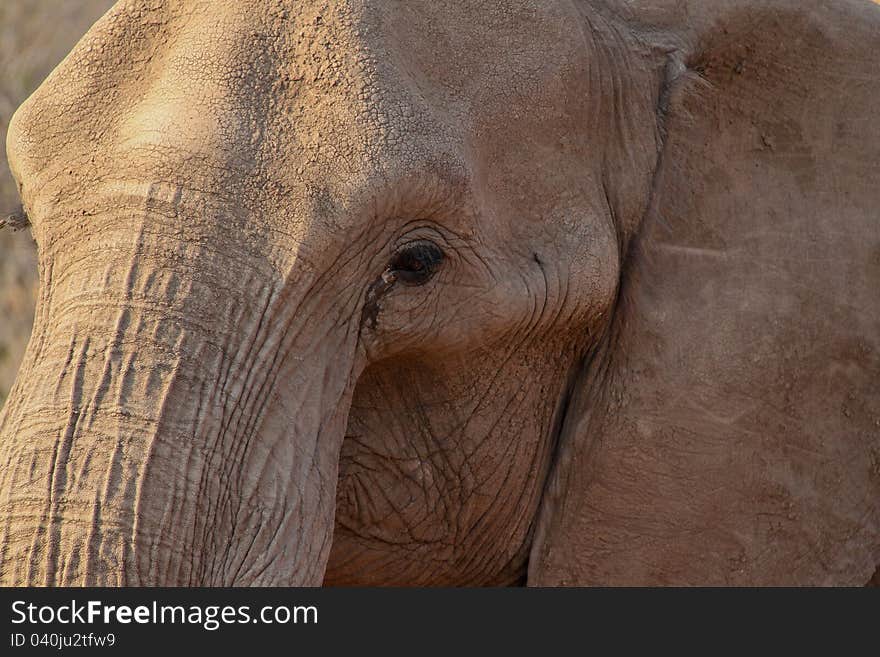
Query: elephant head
pixel 436 292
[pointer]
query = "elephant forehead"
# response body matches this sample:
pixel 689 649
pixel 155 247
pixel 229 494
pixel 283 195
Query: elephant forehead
pixel 303 101
pixel 346 93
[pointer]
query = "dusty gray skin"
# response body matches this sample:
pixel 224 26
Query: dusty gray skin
pixel 591 285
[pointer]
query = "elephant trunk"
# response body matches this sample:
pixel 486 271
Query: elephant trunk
pixel 164 432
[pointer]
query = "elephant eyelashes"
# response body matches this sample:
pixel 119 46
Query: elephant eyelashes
pixel 17 220
pixel 416 263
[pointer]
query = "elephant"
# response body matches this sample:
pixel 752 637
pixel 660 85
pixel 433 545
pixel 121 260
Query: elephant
pixel 440 293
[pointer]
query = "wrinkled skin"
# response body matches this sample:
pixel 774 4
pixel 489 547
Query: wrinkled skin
pixel 451 293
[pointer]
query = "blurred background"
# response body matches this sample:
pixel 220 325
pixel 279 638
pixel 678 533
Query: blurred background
pixel 34 36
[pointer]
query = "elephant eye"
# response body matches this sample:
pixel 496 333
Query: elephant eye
pixel 416 263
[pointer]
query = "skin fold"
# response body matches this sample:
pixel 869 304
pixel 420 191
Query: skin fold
pixel 444 293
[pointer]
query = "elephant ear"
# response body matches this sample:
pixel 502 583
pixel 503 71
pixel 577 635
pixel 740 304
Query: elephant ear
pixel 727 429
